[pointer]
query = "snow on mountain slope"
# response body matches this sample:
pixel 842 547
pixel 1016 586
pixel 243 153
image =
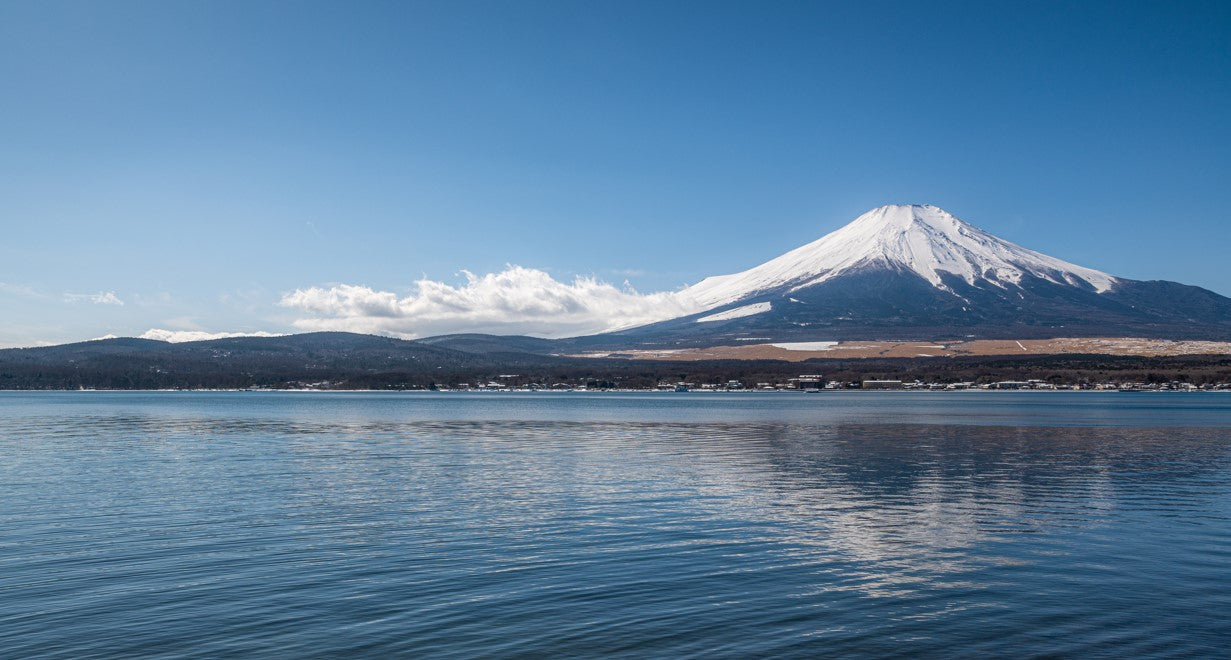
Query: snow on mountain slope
pixel 737 313
pixel 923 239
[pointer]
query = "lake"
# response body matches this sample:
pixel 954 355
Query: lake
pixel 291 524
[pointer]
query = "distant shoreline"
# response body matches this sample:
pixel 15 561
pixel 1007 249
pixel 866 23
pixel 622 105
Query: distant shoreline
pixel 699 391
pixel 340 361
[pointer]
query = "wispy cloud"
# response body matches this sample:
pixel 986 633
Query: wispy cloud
pixel 100 298
pixel 22 291
pixel 178 336
pixel 516 300
pixel 158 299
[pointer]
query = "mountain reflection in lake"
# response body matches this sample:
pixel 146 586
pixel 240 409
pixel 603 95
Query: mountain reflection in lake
pixel 204 524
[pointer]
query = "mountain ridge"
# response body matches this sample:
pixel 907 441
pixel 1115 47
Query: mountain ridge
pixel 337 360
pixel 919 272
pixel 897 272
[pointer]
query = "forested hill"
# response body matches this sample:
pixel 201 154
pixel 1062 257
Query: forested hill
pixel 353 361
pixel 293 360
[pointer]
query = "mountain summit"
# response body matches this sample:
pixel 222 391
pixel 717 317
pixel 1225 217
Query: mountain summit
pixel 919 272
pixel 920 239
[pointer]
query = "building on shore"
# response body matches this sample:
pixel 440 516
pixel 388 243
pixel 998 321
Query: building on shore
pixel 1011 385
pixel 807 382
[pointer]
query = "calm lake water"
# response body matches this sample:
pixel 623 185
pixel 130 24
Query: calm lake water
pixel 321 524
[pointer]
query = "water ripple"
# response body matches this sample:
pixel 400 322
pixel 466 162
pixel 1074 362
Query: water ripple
pixel 206 525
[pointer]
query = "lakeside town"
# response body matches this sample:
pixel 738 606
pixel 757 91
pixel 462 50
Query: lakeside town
pixel 807 383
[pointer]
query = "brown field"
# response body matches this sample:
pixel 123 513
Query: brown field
pixel 799 351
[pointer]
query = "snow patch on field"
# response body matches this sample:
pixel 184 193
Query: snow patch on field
pixel 806 345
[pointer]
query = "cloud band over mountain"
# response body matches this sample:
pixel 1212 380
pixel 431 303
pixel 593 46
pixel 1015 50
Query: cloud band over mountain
pixel 516 300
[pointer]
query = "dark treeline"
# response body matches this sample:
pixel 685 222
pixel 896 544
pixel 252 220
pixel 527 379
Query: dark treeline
pixel 338 361
pixel 1061 369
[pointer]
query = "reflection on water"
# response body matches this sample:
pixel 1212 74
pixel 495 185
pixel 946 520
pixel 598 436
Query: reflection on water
pixel 209 524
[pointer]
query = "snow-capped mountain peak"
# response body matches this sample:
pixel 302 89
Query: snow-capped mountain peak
pixel 922 239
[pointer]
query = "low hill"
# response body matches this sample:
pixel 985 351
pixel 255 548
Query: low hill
pixel 292 360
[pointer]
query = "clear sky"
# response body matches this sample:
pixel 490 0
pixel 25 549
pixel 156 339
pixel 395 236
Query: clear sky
pixel 280 166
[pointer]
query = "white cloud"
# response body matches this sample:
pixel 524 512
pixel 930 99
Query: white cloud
pixel 29 343
pixel 516 300
pixel 177 336
pixel 20 290
pixel 23 291
pixel 100 298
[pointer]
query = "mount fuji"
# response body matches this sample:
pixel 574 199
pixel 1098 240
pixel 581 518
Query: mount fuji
pixel 918 272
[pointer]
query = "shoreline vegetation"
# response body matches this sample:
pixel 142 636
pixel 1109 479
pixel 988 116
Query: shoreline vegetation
pixel 341 361
pixel 1067 372
pixel 1185 388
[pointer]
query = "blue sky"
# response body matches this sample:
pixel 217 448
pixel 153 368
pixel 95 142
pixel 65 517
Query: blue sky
pixel 200 162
